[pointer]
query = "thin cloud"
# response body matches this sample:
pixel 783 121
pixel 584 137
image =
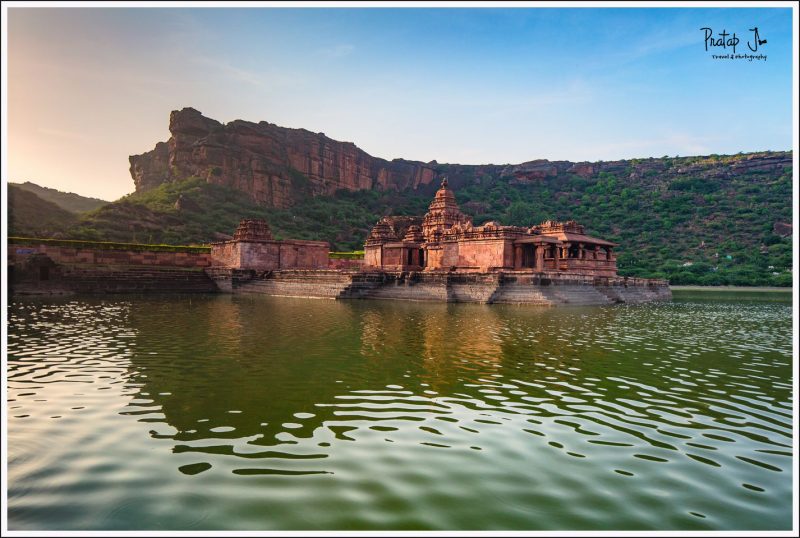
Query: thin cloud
pixel 337 51
pixel 261 79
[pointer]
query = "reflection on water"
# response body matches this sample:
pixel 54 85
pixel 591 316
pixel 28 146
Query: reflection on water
pixel 239 412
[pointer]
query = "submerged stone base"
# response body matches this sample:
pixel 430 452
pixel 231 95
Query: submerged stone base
pixel 511 287
pixel 68 279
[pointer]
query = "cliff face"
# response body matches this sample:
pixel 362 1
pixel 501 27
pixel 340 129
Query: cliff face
pixel 274 165
pixel 263 160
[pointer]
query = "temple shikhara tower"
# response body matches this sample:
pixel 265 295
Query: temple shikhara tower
pixel 445 239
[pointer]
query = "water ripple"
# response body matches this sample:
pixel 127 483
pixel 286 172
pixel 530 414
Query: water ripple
pixel 247 413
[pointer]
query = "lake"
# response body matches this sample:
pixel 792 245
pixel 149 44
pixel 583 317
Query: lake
pixel 264 413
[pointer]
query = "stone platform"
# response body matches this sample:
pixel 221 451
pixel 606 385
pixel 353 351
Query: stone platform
pixel 510 287
pixel 68 279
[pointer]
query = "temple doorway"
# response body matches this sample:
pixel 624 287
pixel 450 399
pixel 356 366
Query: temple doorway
pixel 528 256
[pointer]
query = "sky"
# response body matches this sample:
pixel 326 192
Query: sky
pixel 87 87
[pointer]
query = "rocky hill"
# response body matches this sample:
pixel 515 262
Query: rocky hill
pixel 31 216
pixel 275 166
pixel 69 201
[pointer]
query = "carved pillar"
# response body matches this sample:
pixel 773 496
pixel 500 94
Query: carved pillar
pixel 540 257
pixel 517 256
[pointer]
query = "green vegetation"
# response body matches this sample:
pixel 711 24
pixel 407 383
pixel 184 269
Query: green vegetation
pixel 68 201
pixel 690 230
pixel 354 255
pixel 668 224
pixel 343 220
pixel 30 215
pixel 106 245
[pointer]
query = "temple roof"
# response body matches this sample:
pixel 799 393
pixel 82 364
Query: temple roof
pixel 579 238
pixel 444 198
pixel 252 230
pixel 443 213
pixel 537 239
pixel 392 228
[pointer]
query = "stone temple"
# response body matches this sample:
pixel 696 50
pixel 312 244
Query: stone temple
pixel 445 239
pixel 441 256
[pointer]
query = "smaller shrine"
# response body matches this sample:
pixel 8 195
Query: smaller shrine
pixel 445 239
pixel 253 247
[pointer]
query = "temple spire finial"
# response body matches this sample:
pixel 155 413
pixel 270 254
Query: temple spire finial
pixel 444 182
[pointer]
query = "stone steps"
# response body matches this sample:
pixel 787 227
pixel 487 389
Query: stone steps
pixel 287 288
pixel 582 295
pixel 297 283
pixel 137 281
pixel 513 293
pixel 444 287
pixel 523 293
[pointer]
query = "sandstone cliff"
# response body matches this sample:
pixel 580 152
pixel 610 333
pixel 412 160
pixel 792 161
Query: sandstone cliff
pixel 271 164
pixel 275 165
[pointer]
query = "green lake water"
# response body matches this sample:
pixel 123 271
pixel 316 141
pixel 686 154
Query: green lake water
pixel 260 413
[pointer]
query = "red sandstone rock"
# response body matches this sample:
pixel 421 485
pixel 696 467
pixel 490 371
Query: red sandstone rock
pixel 784 229
pixel 584 170
pixel 264 160
pixel 532 171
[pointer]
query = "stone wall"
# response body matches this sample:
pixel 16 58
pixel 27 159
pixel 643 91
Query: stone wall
pixel 443 255
pixel 372 255
pixel 41 268
pixel 41 276
pixel 226 254
pixel 18 253
pixel 270 255
pixel 483 255
pixel 392 256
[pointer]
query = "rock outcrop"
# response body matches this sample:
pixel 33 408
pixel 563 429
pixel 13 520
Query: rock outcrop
pixel 276 166
pixel 271 164
pixel 533 171
pixel 783 229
